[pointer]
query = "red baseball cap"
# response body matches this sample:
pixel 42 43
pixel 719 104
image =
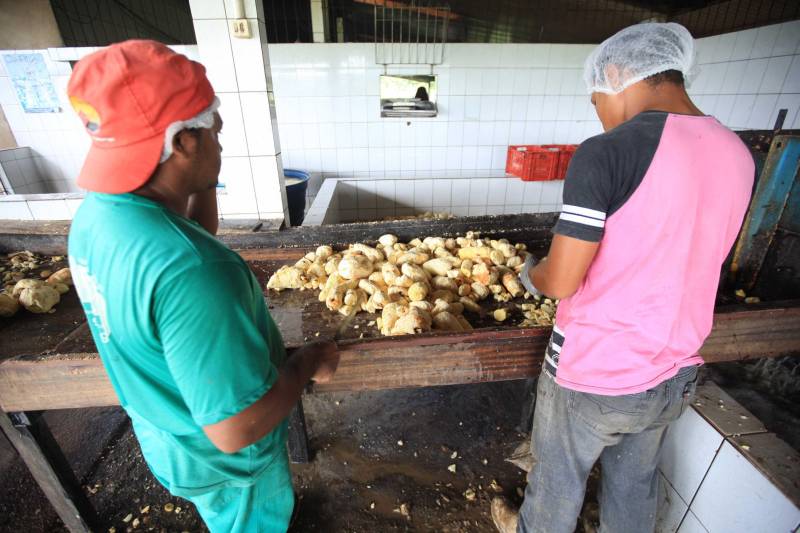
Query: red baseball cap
pixel 127 94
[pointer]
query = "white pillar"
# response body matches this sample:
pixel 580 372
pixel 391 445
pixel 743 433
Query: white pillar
pixel 238 69
pixel 319 20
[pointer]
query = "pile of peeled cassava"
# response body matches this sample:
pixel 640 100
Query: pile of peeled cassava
pixel 423 285
pixel 24 288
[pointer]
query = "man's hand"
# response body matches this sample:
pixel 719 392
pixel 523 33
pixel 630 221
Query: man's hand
pixel 324 358
pixel 202 208
pixel 317 361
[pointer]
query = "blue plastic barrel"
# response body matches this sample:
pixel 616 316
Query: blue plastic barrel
pixel 296 194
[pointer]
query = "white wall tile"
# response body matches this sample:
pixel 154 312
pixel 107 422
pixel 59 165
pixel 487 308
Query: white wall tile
pixel 483 158
pixel 478 191
pixel 385 193
pixel 49 210
pixel 685 471
pixel 359 135
pixel 392 160
pixel 258 125
pixel 691 524
pixel 15 211
pixel 497 191
pixel 238 195
pixel 776 74
pixel 743 47
pixel 442 192
pixel 422 158
pixel 267 184
pixel 733 77
pixel 516 133
pixel 792 82
pixel 742 109
pixel 755 69
pixel 404 193
pixel 723 47
pixel 232 137
pixel 735 496
pixel 533 193
pixel 214 46
pixel 788 38
pixel 423 193
pixel 489 82
pixel 724 107
pixel 249 61
pixel 671 508
pixel 765 41
pixel 469 158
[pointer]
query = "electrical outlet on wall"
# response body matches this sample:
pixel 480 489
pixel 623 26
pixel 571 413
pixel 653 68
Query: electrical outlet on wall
pixel 240 28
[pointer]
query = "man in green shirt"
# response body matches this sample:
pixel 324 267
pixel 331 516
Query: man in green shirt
pixel 178 318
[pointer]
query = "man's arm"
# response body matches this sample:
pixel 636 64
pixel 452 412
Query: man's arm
pixel 314 361
pixel 561 273
pixel 202 209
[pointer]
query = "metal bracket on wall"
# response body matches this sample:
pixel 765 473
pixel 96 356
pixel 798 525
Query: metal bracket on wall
pixel 766 207
pixel 410 34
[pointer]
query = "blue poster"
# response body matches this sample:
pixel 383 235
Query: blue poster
pixel 35 89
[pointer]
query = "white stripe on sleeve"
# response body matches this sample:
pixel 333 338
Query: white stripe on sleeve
pixel 575 210
pixel 582 220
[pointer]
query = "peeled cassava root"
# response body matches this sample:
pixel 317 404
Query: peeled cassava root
pixel 34 295
pixel 425 284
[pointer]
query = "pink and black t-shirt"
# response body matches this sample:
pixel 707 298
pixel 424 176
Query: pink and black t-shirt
pixel 665 196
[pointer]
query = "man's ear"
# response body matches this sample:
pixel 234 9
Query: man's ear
pixel 185 143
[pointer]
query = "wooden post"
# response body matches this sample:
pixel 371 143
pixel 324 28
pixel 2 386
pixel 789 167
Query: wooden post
pixel 49 468
pixel 298 435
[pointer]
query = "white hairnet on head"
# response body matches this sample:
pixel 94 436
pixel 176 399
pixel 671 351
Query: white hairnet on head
pixel 636 53
pixel 205 119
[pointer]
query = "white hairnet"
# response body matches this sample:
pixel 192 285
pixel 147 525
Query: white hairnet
pixel 636 53
pixel 205 119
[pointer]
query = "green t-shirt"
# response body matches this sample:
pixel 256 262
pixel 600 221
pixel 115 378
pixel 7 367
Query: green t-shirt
pixel 183 332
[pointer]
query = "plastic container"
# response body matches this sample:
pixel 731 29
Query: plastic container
pixel 532 162
pixel 565 153
pixel 296 185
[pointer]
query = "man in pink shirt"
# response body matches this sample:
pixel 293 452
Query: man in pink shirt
pixel 651 209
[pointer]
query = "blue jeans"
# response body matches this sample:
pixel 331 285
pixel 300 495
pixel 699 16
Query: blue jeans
pixel 571 430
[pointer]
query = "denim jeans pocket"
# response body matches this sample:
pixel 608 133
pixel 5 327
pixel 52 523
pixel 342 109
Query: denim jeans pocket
pixel 612 414
pixel 628 404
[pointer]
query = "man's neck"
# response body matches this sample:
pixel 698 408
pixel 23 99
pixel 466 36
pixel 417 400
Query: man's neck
pixel 666 97
pixel 174 200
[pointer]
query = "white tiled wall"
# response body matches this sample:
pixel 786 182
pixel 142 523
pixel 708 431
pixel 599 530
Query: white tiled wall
pixel 489 96
pixel 57 140
pixel 707 485
pixel 746 77
pixel 736 496
pixel 239 71
pixel 351 200
pixel 40 206
pixel 685 472
pixel 28 172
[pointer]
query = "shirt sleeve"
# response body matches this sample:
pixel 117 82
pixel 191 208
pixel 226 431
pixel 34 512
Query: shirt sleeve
pixel 588 189
pixel 206 320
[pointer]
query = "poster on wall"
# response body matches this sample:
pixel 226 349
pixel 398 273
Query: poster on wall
pixel 35 90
